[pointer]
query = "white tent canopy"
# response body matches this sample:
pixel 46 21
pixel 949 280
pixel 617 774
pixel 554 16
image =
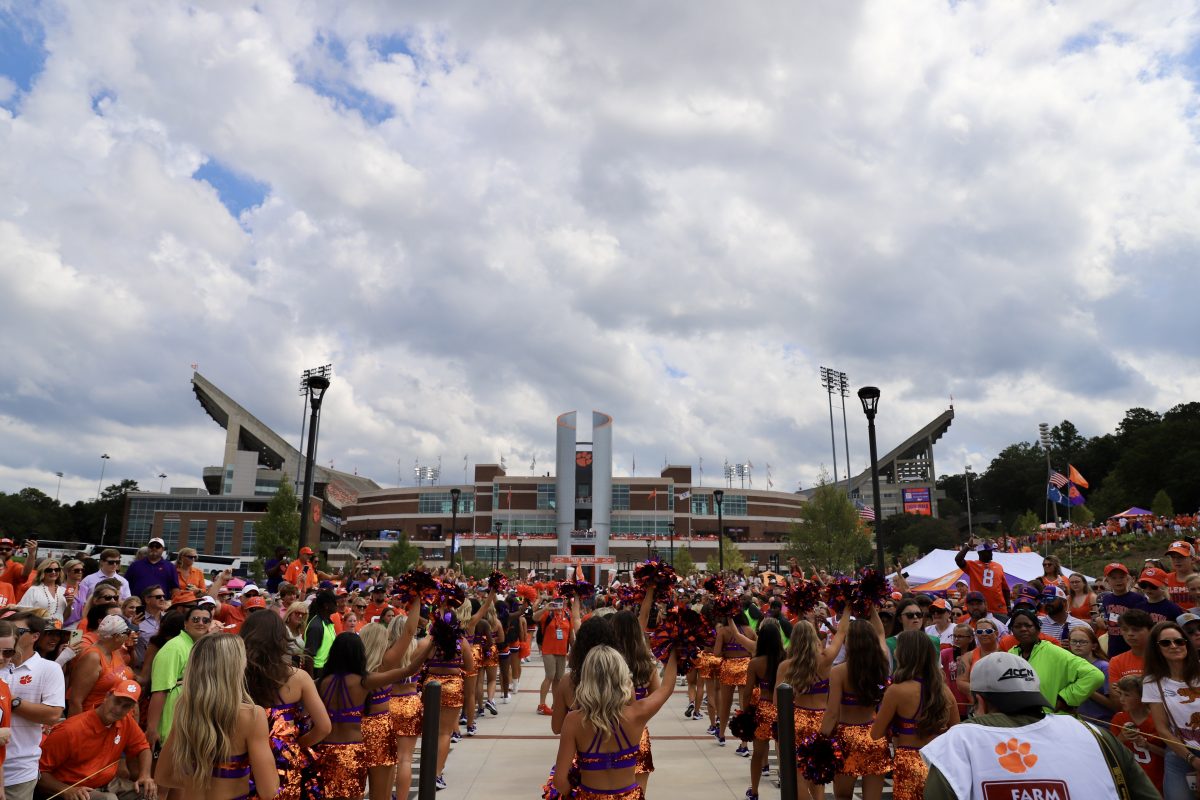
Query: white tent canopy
pixel 937 563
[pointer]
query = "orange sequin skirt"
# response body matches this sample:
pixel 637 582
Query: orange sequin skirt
pixel 864 755
pixel 491 658
pixel 452 689
pixel 733 671
pixel 765 714
pixel 379 739
pixel 807 721
pixel 909 774
pixel 708 665
pixel 406 714
pixel 633 792
pixel 477 652
pixel 343 769
pixel 645 759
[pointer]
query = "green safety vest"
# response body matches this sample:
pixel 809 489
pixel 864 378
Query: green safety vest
pixel 326 643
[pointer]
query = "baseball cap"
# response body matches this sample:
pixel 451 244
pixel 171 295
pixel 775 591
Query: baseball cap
pixel 1116 566
pixel 1180 548
pixel 340 591
pixel 379 587
pixel 1028 595
pixel 183 596
pixel 254 602
pixel 206 600
pixel 986 547
pixel 128 689
pixel 1053 593
pixel 156 541
pixel 1007 681
pixel 976 596
pixel 1153 575
pixel 248 588
pixel 306 551
pixel 939 604
pixel 8 542
pixel 897 596
pixel 1185 618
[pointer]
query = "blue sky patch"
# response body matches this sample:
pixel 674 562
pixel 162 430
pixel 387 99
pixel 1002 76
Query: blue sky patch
pixel 237 192
pixel 329 83
pixel 391 44
pixel 22 52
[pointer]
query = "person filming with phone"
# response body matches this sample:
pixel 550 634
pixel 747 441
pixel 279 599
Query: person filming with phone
pixel 556 642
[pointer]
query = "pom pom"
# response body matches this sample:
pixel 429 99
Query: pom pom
pixel 870 592
pixel 683 630
pixel 498 582
pixel 803 597
pixel 580 589
pixel 451 594
pixel 836 594
pixel 819 757
pixel 744 724
pixel 446 633
pixel 714 585
pixel 416 583
pixel 527 592
pixel 725 606
pixel 630 595
pixel 657 574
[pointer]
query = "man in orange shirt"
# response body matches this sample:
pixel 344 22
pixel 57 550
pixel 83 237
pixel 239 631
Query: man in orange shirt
pixel 986 577
pixel 375 607
pixel 1135 630
pixel 13 573
pixel 556 641
pixel 85 750
pixel 1181 554
pixel 302 572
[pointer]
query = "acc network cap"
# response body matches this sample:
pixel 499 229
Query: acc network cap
pixel 1007 681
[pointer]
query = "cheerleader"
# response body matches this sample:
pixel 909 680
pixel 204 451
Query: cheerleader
pixel 760 680
pixel 708 668
pixel 471 687
pixel 486 637
pixel 916 708
pixel 806 669
pixel 603 733
pixel 405 703
pixel 632 644
pixel 379 732
pixel 447 657
pixel 341 759
pixel 735 652
pixel 855 691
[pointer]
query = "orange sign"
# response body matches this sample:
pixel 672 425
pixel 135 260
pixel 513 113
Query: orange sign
pixel 563 561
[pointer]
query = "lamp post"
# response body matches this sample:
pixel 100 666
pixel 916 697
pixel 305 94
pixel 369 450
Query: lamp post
pixel 317 384
pixel 100 484
pixel 647 548
pixel 967 478
pixel 520 541
pixel 59 489
pixel 162 478
pixel 454 495
pixel 869 396
pixel 499 525
pixel 719 498
pixel 671 531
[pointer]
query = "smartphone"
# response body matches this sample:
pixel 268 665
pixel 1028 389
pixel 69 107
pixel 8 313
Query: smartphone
pixel 76 637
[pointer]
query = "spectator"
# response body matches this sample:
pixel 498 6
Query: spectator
pixel 287 596
pixel 1170 685
pixel 1083 643
pixel 1066 679
pixel 956 666
pixel 14 573
pixel 1135 630
pixel 274 568
pixel 85 749
pixel 1008 704
pixel 155 604
pixel 1133 724
pixel 152 570
pixel 1182 565
pixel 38 698
pixel 72 576
pixel 302 572
pixel 1153 583
pixel 977 612
pixel 943 627
pixel 319 636
pixel 8 642
pixel 110 563
pixel 1190 623
pixel 1056 622
pixel 191 577
pixel 100 667
pixel 1116 602
pixel 166 678
pixel 46 591
pixel 1080 598
pixel 985 577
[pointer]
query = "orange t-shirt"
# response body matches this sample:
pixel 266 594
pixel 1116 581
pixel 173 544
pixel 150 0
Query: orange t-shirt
pixel 1083 611
pixel 82 746
pixel 558 634
pixel 1177 591
pixel 229 614
pixel 1123 664
pixel 1149 761
pixel 7 597
pixel 294 572
pixel 193 576
pixel 988 579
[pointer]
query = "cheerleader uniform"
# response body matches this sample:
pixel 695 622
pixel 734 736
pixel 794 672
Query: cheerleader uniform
pixel 592 760
pixel 405 707
pixel 910 770
pixel 295 764
pixel 765 712
pixel 342 765
pixel 807 721
pixel 864 755
pixel 378 732
pixel 645 759
pixel 452 682
pixel 734 663
pixel 236 768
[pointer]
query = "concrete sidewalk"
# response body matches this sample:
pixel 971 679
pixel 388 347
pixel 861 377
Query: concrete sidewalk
pixel 512 754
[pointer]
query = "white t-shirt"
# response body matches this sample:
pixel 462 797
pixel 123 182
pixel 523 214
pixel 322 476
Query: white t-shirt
pixel 946 636
pixel 1181 706
pixel 35 681
pixel 38 596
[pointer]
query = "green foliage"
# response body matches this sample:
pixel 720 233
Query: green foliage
pixel 734 560
pixel 476 569
pixel 1161 505
pixel 830 534
pixel 118 490
pixel 684 565
pixel 924 533
pixel 401 556
pixel 280 526
pixel 1026 525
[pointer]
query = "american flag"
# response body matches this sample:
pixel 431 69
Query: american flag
pixel 1058 479
pixel 865 511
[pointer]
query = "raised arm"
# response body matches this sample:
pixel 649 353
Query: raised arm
pixel 394 655
pixel 961 558
pixel 825 660
pixel 483 607
pixel 646 708
pixel 644 611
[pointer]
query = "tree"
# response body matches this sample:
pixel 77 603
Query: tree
pixel 401 556
pixel 118 490
pixel 1161 505
pixel 280 526
pixel 734 560
pixel 1027 524
pixel 684 565
pixel 922 532
pixel 829 533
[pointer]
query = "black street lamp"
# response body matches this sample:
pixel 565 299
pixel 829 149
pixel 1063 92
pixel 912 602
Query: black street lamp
pixel 520 541
pixel 671 530
pixel 454 495
pixel 647 548
pixel 869 396
pixel 719 499
pixel 317 384
pixel 499 525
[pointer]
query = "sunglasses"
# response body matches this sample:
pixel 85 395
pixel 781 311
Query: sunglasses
pixel 106 598
pixel 1164 643
pixel 21 632
pixel 51 571
pixel 1147 586
pixel 200 620
pixel 112 561
pixel 985 632
pixel 6 549
pixel 155 596
pixel 912 615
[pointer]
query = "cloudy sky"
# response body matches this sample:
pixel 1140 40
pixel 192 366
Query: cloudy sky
pixel 485 214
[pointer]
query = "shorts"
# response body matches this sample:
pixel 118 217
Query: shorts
pixel 555 666
pixel 733 671
pixel 379 739
pixel 342 768
pixel 406 711
pixel 765 715
pixel 645 759
pixel 708 665
pixel 807 721
pixel 864 755
pixel 452 689
pixel 491 658
pixel 909 774
pixel 477 653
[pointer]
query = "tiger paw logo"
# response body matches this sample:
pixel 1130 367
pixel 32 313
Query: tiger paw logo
pixel 1015 756
pixel 26 680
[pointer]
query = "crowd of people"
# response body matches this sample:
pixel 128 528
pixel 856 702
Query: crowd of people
pixel 162 681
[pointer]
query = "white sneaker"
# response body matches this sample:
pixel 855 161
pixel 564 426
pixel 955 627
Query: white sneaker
pixel 504 699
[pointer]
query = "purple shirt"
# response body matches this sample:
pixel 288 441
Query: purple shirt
pixel 142 574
